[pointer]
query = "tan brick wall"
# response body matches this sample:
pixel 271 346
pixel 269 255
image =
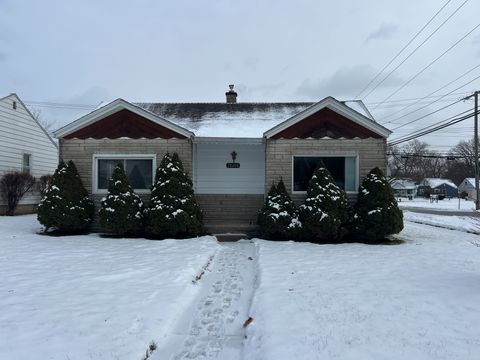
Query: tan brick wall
pixel 81 152
pixel 279 153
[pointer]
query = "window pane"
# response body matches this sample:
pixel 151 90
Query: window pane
pixel 139 173
pixel 350 174
pixel 105 171
pixel 304 166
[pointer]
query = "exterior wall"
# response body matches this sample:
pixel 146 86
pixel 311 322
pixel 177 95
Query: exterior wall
pixel 211 175
pixel 21 133
pixel 279 156
pixel 81 153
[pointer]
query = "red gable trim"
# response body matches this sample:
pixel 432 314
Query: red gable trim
pixel 124 123
pixel 326 122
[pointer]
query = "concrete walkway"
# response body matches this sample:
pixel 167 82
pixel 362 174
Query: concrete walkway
pixel 213 327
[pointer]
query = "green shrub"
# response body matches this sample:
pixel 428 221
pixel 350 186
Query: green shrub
pixel 121 210
pixel 325 212
pixel 278 218
pixel 172 210
pixel 376 211
pixel 66 206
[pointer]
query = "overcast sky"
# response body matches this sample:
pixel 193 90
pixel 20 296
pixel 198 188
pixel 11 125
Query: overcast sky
pixel 86 52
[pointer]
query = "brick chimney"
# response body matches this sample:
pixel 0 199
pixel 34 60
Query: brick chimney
pixel 231 95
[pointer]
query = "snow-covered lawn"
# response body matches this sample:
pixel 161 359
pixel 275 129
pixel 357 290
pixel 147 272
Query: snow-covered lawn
pixel 419 300
pixel 462 223
pixel 86 297
pixel 445 204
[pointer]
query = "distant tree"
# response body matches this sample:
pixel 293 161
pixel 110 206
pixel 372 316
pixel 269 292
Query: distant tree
pixel 376 211
pixel 13 186
pixel 324 214
pixel 462 161
pixel 121 210
pixel 66 206
pixel 173 210
pixel 278 218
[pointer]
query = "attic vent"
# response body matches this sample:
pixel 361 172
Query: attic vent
pixel 14 105
pixel 231 95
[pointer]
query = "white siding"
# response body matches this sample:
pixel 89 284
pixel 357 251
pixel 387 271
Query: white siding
pixel 211 176
pixel 20 133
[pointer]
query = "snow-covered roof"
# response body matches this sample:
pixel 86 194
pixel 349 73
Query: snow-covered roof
pixel 403 184
pixel 226 120
pixel 471 181
pixel 239 120
pixel 436 182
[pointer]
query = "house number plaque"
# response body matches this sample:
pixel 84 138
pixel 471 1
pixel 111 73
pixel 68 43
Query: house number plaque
pixel 233 164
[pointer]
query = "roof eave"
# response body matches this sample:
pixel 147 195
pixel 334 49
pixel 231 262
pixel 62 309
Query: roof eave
pixel 112 108
pixel 336 106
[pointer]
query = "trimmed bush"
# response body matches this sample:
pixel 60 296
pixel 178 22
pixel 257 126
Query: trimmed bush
pixel 173 210
pixel 13 186
pixel 325 213
pixel 122 209
pixel 376 211
pixel 66 206
pixel 278 218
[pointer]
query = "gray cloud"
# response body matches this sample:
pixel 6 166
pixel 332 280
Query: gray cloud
pixel 346 82
pixel 385 31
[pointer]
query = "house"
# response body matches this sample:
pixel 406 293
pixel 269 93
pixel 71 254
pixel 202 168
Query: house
pixel 442 187
pixel 468 186
pixel 25 146
pixel 404 188
pixel 234 151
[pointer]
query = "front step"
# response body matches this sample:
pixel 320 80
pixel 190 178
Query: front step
pixel 226 237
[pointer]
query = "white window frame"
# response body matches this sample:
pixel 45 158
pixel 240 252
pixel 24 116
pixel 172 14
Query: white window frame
pixel 27 169
pixel 357 169
pixel 96 157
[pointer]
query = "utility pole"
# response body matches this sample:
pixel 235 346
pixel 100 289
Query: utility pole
pixel 475 140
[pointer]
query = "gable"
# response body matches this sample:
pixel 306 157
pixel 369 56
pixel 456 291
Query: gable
pixel 326 123
pixel 124 123
pixel 329 117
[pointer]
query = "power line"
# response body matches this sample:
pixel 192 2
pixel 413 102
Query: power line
pixel 432 102
pixel 433 92
pixel 427 115
pixel 430 64
pixel 60 105
pixel 416 49
pixel 398 54
pixel 429 130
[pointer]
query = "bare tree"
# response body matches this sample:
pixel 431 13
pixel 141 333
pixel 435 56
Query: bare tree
pixel 462 161
pixel 46 124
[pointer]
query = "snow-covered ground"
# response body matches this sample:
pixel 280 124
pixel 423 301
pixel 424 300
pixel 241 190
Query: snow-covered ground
pixel 86 297
pixel 419 300
pixel 446 204
pixel 461 223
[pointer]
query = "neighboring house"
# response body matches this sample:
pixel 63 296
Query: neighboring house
pixel 468 186
pixel 404 187
pixel 25 146
pixel 234 151
pixel 437 187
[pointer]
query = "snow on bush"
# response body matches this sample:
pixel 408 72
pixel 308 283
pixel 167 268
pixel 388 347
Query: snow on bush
pixel 376 212
pixel 173 210
pixel 325 212
pixel 122 210
pixel 278 217
pixel 66 206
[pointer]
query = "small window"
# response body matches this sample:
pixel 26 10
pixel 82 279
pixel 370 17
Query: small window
pixel 139 172
pixel 14 105
pixel 26 163
pixel 343 170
